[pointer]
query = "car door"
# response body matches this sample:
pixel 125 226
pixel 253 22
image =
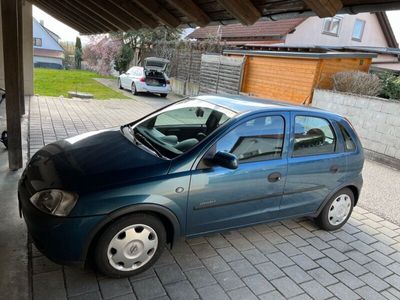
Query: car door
pixel 316 164
pixel 125 78
pixel 221 198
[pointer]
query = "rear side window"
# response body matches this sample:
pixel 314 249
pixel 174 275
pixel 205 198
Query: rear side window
pixel 349 144
pixel 313 136
pixel 259 139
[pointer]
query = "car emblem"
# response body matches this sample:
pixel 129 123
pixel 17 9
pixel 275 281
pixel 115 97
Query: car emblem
pixel 133 249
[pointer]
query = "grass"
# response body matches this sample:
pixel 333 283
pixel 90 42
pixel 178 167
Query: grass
pixel 55 83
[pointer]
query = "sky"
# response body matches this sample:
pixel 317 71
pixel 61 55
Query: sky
pixel 68 34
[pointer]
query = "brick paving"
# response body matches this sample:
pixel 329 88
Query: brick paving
pixel 289 259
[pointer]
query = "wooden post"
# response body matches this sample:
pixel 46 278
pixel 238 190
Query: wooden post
pixel 12 68
pixel 21 58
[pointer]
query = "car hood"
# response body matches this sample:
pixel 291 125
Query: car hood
pixel 92 161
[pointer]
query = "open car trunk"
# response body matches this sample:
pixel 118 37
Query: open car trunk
pixel 154 70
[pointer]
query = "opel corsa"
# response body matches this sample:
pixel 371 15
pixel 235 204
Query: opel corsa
pixel 198 166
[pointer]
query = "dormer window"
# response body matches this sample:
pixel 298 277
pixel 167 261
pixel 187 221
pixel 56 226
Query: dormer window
pixel 37 42
pixel 332 26
pixel 358 30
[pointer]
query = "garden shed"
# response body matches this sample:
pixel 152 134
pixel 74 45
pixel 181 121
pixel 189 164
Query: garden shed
pixel 292 76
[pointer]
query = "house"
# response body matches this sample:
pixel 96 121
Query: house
pixel 47 52
pixel 364 32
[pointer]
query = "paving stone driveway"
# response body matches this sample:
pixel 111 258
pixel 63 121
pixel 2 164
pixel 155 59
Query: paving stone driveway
pixel 289 259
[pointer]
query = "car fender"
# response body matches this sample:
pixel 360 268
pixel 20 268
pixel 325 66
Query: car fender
pixel 149 207
pixel 357 183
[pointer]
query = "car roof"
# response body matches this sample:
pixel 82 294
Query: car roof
pixel 242 104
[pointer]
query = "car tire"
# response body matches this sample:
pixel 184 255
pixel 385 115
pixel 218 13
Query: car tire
pixel 130 245
pixel 163 95
pixel 133 89
pixel 337 210
pixel 119 84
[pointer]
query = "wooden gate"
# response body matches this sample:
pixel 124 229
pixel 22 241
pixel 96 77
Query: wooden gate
pixel 220 74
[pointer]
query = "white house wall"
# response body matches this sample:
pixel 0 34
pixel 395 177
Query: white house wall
pixel 310 33
pixel 48 41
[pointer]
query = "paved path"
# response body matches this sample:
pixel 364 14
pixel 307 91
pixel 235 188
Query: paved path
pixel 14 281
pixel 289 259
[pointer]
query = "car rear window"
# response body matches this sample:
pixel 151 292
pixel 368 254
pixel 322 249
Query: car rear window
pixel 349 144
pixel 313 136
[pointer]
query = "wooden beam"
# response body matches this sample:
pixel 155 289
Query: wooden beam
pixel 153 8
pixel 75 8
pixel 110 14
pixel 12 68
pixel 324 8
pixel 192 11
pixel 119 13
pixel 62 17
pixel 243 10
pixel 135 11
pixel 21 90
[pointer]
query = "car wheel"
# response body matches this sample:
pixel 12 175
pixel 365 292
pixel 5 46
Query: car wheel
pixel 163 95
pixel 119 84
pixel 337 211
pixel 130 245
pixel 133 89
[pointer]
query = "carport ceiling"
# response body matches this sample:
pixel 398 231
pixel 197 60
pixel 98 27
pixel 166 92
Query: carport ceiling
pixel 101 16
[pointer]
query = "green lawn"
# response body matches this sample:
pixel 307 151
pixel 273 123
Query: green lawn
pixel 50 82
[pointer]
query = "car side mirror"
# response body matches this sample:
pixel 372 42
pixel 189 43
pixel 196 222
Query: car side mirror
pixel 226 160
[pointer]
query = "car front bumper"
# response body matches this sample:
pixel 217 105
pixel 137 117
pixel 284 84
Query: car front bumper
pixel 64 240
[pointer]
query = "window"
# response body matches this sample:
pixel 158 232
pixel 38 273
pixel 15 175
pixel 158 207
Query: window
pixel 313 136
pixel 358 30
pixel 184 116
pixel 332 26
pixel 37 42
pixel 349 144
pixel 256 140
pixel 179 127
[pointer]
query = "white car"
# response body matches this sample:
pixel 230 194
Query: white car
pixel 150 78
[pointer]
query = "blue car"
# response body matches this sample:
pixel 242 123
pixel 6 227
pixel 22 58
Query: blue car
pixel 201 165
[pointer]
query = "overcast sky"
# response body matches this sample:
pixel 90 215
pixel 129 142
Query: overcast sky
pixel 68 34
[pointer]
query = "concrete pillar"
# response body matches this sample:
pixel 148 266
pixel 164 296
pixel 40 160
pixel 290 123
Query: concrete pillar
pixel 27 47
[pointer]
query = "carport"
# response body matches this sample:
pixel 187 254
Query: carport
pixel 102 16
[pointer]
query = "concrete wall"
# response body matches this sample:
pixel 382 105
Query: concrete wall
pixel 28 50
pixel 376 121
pixel 310 32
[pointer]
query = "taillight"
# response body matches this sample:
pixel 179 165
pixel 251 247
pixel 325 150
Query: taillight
pixel 142 79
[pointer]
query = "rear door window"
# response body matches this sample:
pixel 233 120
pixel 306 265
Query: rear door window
pixel 349 144
pixel 313 136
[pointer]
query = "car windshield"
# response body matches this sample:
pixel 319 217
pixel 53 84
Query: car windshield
pixel 179 127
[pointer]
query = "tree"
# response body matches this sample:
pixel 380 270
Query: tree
pixel 78 53
pixel 143 38
pixel 99 53
pixel 124 58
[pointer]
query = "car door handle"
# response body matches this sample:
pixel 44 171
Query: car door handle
pixel 274 177
pixel 334 169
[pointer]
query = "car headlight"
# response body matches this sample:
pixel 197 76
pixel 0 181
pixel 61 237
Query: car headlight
pixel 55 202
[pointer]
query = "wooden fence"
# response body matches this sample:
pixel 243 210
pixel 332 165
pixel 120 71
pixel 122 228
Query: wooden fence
pixel 220 74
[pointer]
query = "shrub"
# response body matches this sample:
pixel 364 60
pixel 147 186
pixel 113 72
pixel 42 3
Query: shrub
pixel 391 86
pixel 357 83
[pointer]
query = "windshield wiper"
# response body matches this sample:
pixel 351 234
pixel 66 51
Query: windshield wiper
pixel 149 144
